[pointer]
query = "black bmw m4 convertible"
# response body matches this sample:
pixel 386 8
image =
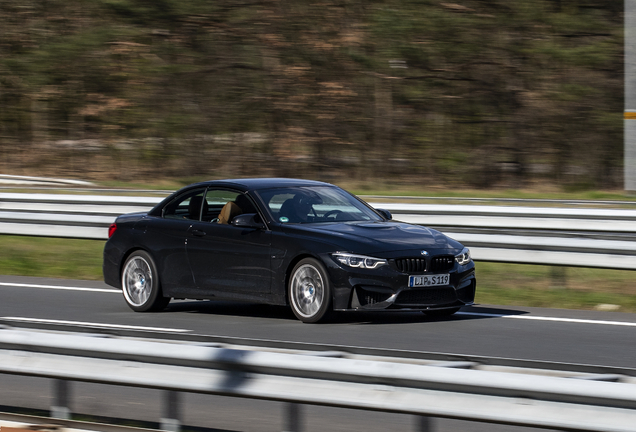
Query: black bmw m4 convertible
pixel 306 244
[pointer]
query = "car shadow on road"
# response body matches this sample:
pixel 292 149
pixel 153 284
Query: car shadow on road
pixel 468 313
pixel 232 308
pixel 253 310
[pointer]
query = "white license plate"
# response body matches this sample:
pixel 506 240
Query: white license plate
pixel 429 280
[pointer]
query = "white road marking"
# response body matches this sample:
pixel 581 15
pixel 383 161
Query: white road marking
pixel 59 287
pixel 91 324
pixel 557 319
pixel 486 315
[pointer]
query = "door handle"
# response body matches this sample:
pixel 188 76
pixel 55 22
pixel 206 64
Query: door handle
pixel 198 233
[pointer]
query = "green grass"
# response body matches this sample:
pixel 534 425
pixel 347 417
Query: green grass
pixel 504 193
pixel 499 284
pixel 51 257
pixel 160 185
pixel 555 287
pixel 542 192
pixel 546 192
pixel 412 190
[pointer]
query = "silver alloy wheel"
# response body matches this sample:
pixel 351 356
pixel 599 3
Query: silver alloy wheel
pixel 307 290
pixel 137 281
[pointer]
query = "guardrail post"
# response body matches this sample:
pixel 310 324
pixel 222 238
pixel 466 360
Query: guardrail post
pixel 292 418
pixel 423 424
pixel 61 400
pixel 172 420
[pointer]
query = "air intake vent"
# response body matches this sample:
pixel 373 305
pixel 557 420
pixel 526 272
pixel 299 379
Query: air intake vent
pixel 371 296
pixel 411 265
pixel 442 263
pixel 427 297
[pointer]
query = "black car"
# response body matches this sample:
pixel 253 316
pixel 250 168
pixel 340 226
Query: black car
pixel 307 244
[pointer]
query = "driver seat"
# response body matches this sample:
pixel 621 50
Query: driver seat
pixel 228 212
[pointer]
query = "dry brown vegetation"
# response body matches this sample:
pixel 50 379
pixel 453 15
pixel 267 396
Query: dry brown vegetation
pixel 471 93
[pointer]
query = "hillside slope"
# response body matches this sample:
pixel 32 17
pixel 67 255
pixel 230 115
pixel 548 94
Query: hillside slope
pixel 480 93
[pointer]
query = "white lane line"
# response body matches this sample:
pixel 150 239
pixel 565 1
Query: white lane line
pixel 540 318
pixel 488 315
pixel 91 324
pixel 7 284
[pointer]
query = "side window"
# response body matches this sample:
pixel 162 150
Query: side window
pixel 215 205
pixel 223 205
pixel 186 206
pixel 216 200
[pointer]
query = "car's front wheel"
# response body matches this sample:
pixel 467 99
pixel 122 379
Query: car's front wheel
pixel 309 291
pixel 140 283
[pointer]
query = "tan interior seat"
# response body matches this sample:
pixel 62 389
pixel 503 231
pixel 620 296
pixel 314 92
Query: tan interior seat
pixel 228 212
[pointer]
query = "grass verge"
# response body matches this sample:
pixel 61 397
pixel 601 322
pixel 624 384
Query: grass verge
pixel 51 257
pixel 537 191
pixel 556 287
pixel 497 283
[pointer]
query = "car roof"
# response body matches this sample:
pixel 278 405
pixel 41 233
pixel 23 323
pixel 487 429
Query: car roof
pixel 243 185
pixel 262 183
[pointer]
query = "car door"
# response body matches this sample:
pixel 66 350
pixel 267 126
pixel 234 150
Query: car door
pixel 228 260
pixel 165 236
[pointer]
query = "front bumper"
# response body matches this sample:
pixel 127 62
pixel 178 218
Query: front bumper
pixel 386 288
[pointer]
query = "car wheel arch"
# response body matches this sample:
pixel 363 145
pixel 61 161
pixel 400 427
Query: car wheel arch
pixel 290 268
pixel 141 284
pixel 128 253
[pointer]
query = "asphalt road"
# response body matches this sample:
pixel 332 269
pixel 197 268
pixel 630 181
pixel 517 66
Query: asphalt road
pixel 583 337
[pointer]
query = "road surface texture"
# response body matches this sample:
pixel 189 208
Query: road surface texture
pixel 552 335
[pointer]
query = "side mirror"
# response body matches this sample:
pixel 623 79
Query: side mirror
pixel 385 213
pixel 248 220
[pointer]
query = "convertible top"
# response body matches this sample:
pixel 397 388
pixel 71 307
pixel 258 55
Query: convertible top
pixel 262 183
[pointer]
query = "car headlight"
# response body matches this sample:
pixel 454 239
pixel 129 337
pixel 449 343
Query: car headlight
pixel 464 257
pixel 358 261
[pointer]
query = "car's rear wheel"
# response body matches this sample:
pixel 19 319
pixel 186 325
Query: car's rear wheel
pixel 309 291
pixel 140 283
pixel 439 313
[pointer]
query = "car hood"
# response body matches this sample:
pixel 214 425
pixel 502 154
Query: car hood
pixel 376 237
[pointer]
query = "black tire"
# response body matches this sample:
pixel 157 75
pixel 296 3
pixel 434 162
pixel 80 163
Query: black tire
pixel 309 291
pixel 440 313
pixel 140 283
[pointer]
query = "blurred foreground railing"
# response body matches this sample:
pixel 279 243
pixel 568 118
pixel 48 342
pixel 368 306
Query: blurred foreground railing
pixel 572 402
pixel 584 237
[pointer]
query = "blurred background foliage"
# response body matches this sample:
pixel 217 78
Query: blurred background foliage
pixel 459 93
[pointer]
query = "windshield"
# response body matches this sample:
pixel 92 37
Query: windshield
pixel 315 205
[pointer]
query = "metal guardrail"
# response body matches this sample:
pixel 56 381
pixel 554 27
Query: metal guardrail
pixel 583 237
pixel 66 215
pixel 15 180
pixel 448 390
pixel 524 201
